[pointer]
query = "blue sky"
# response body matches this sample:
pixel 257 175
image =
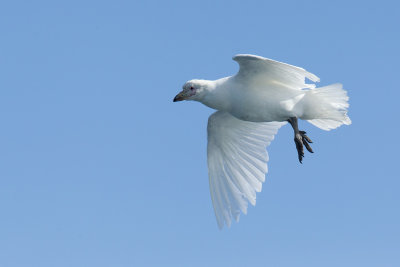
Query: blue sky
pixel 98 167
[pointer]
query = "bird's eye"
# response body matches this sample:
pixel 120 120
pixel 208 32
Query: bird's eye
pixel 191 87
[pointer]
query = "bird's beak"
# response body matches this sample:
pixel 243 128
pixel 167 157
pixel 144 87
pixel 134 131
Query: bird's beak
pixel 179 97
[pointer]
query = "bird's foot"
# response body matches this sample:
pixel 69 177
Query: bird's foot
pixel 301 139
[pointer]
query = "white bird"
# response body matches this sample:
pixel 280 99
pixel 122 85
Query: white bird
pixel 252 105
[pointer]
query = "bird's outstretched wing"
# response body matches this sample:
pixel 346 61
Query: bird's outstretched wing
pixel 256 69
pixel 237 162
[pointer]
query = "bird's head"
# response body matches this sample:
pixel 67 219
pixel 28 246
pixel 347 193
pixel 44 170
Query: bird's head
pixel 193 90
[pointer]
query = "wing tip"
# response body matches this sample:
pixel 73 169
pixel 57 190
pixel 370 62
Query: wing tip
pixel 248 56
pixel 312 77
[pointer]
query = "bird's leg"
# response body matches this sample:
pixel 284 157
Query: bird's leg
pixel 300 139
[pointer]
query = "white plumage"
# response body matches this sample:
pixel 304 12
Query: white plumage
pixel 237 162
pixel 252 105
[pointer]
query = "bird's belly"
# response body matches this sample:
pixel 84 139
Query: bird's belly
pixel 266 107
pixel 253 114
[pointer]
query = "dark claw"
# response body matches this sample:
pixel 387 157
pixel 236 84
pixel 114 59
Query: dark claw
pixel 300 139
pixel 308 147
pixel 306 140
pixel 303 134
pixel 299 146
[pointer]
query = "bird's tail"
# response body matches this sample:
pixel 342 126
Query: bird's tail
pixel 329 106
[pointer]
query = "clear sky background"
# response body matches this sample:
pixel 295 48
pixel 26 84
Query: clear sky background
pixel 98 167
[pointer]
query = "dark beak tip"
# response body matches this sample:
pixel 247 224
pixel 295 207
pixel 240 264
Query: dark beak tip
pixel 177 98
